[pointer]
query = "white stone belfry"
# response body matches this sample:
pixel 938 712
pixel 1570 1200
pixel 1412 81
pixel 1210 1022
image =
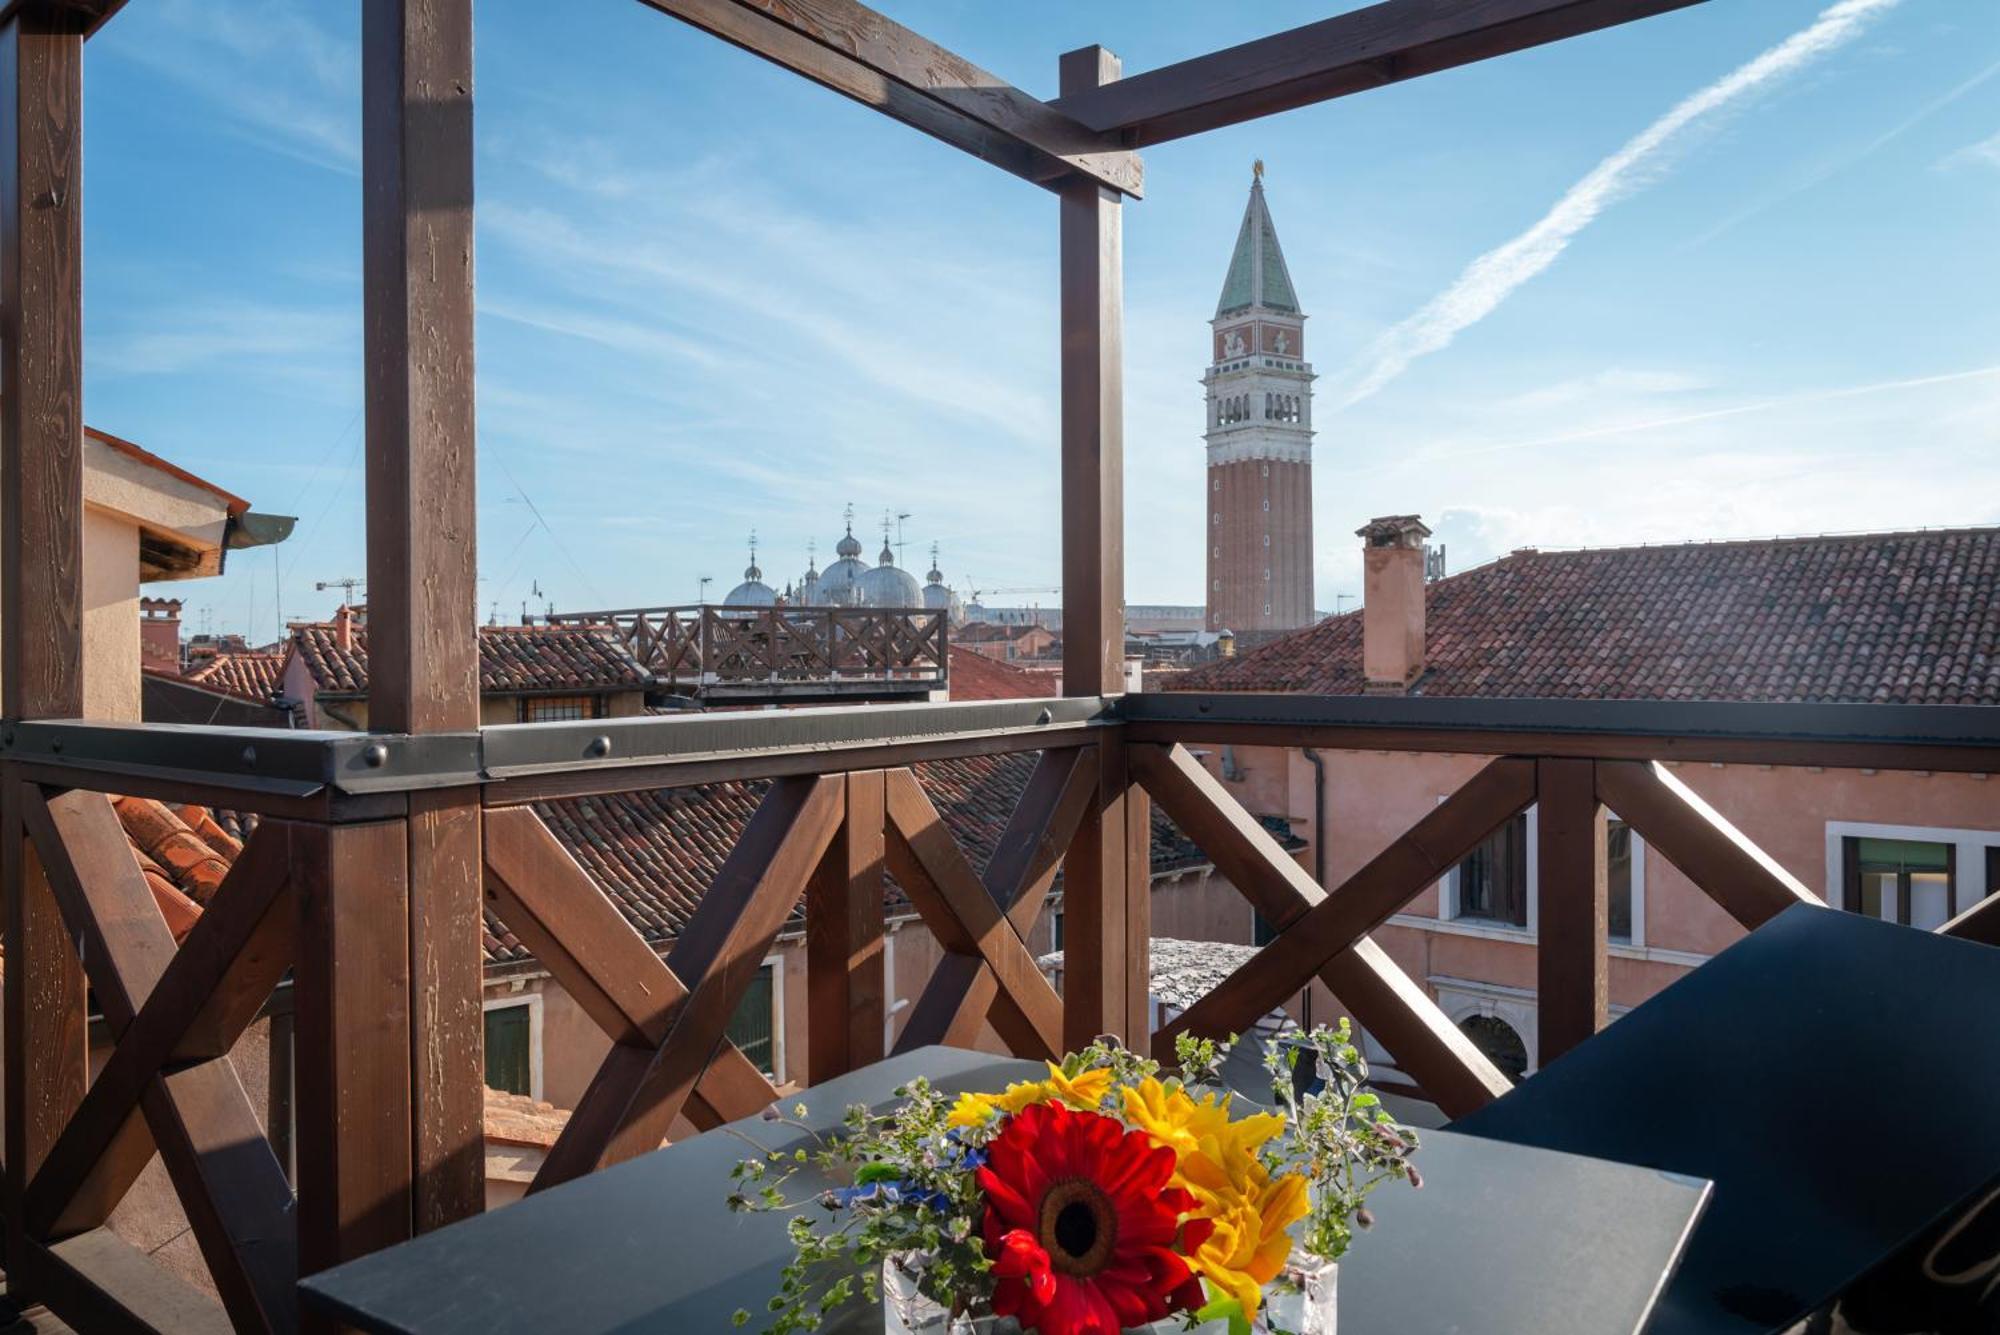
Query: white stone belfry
pixel 1259 483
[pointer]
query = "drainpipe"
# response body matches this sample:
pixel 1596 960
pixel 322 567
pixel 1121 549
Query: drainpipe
pixel 1318 762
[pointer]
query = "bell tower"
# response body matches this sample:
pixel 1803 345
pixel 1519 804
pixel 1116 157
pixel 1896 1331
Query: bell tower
pixel 1259 502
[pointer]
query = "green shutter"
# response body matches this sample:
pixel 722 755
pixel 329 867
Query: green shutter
pixel 751 1027
pixel 1903 854
pixel 508 1067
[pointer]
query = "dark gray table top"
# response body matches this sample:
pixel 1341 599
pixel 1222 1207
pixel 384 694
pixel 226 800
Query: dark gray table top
pixel 1502 1238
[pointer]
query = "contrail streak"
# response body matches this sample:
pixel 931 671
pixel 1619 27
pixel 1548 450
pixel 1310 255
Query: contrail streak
pixel 1493 277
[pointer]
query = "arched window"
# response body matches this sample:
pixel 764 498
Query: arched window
pixel 1496 1038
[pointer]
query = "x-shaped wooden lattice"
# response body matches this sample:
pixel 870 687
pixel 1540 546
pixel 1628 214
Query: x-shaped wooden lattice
pixel 169 1084
pixel 667 1019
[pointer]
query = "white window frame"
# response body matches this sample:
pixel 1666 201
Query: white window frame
pixel 1447 887
pixel 1637 941
pixel 1969 864
pixel 533 1001
pixel 777 964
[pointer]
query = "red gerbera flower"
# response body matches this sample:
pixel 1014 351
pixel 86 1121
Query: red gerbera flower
pixel 1081 1224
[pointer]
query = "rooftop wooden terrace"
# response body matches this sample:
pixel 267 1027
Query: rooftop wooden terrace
pixel 367 875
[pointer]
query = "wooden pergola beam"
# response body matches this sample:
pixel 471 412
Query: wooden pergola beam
pixel 92 13
pixel 860 54
pixel 1349 53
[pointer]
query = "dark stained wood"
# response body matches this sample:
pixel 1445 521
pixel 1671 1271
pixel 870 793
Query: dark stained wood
pixel 99 1283
pixel 1424 1042
pixel 845 987
pixel 416 127
pixel 93 14
pixel 1979 923
pixel 422 573
pixel 448 1026
pixel 966 919
pixel 104 899
pixel 1359 904
pixel 579 936
pixel 41 550
pixel 352 990
pixel 1091 253
pixel 230 1184
pixel 955 1002
pixel 1097 937
pixel 860 54
pixel 1572 964
pixel 232 1188
pixel 1692 835
pixel 1582 743
pixel 624 1114
pixel 47 1033
pixel 1352 52
pixel 1136 1027
pixel 1452 1072
pixel 41 363
pixel 226 967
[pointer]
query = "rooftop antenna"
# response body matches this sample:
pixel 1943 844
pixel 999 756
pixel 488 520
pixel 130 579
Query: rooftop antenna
pixel 899 536
pixel 701 595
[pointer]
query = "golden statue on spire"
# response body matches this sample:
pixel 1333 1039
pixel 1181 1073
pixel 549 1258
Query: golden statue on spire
pixel 1257 169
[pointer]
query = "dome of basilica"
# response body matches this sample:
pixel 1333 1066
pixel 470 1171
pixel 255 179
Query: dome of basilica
pixel 887 585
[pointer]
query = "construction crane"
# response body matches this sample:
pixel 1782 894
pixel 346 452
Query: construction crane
pixel 346 586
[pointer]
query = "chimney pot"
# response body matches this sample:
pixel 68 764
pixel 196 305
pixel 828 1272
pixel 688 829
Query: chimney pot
pixel 343 628
pixel 1392 603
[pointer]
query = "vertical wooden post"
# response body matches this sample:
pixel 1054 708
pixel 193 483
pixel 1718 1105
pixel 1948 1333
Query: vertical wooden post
pixel 422 593
pixel 1106 917
pixel 41 516
pixel 845 986
pixel 352 1026
pixel 1573 978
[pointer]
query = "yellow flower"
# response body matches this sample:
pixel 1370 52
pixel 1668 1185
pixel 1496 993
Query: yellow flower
pixel 1218 1164
pixel 1084 1094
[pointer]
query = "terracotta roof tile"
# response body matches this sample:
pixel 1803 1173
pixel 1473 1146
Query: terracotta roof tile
pixel 254 676
pixel 512 659
pixel 1906 618
pixel 977 676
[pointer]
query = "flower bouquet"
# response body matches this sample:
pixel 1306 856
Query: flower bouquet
pixel 1104 1198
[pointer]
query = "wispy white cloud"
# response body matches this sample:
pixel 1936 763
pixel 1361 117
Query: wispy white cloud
pixel 279 79
pixel 1833 166
pixel 1985 153
pixel 174 337
pixel 1494 276
pixel 1622 381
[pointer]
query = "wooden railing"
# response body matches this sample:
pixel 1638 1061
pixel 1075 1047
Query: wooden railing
pixel 711 647
pixel 322 890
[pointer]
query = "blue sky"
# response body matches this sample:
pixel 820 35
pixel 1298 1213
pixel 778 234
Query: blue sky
pixel 714 297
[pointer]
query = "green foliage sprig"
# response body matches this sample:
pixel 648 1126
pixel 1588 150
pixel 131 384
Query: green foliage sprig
pixel 1342 1138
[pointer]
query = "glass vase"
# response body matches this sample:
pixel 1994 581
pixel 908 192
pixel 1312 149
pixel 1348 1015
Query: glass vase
pixel 1307 1298
pixel 907 1310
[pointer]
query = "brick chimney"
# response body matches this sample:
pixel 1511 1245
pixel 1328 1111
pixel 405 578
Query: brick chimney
pixel 160 633
pixel 343 629
pixel 1392 603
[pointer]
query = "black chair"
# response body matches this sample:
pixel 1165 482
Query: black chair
pixel 1838 1079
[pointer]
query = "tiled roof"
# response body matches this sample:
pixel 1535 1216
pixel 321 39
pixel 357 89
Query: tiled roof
pixel 183 852
pixel 512 659
pixel 1905 618
pixel 653 853
pixel 255 676
pixel 975 676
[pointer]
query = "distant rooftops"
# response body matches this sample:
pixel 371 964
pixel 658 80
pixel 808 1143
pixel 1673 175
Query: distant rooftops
pixel 1906 618
pixel 513 660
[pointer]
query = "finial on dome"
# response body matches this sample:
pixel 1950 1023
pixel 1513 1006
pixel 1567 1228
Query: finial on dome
pixel 936 576
pixel 752 573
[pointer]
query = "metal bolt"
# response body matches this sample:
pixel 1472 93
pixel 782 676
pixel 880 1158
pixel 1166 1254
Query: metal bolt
pixel 1045 716
pixel 249 755
pixel 599 746
pixel 375 755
